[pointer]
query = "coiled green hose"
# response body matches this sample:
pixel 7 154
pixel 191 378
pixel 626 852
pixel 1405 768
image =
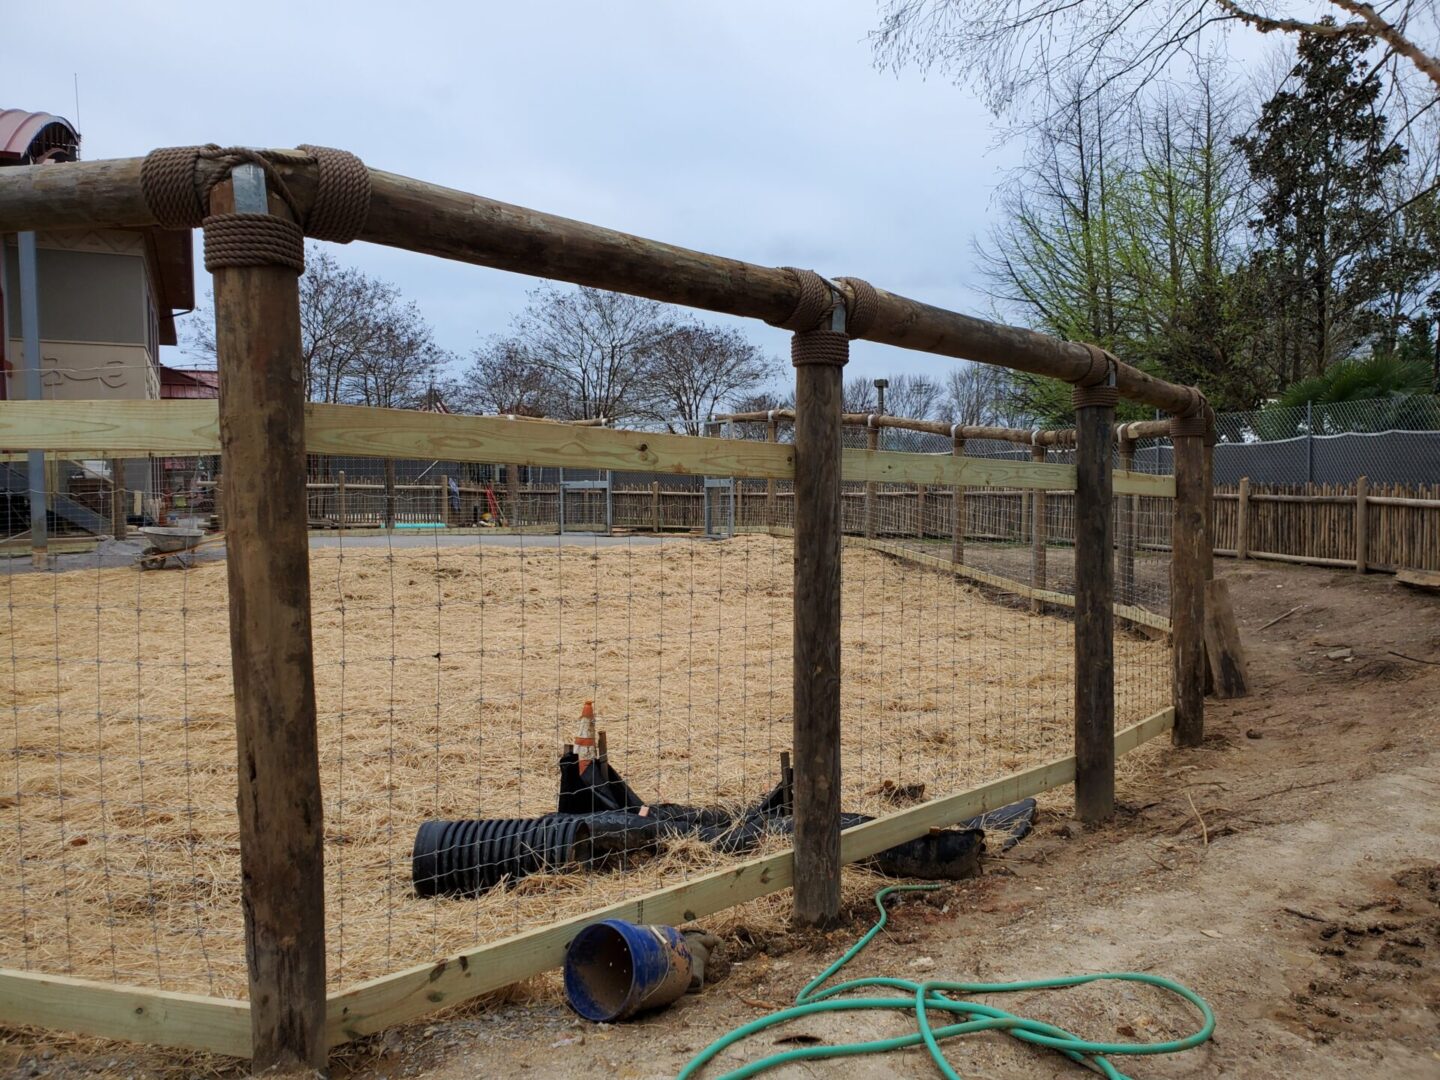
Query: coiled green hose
pixel 930 997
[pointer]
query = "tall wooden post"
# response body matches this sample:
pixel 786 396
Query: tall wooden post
pixel 1125 526
pixel 262 439
pixel 389 493
pixel 819 356
pixel 1208 483
pixel 1187 580
pixel 1242 520
pixel 772 434
pixel 340 510
pixel 1362 524
pixel 957 508
pixel 1038 529
pixel 872 442
pixel 1094 602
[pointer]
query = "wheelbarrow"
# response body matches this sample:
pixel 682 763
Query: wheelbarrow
pixel 162 544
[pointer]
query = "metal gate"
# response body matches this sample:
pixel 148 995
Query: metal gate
pixel 586 505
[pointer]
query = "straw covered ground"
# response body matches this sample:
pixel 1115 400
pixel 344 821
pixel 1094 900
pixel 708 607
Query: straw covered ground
pixel 447 680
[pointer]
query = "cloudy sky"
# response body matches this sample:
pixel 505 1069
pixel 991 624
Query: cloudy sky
pixel 754 129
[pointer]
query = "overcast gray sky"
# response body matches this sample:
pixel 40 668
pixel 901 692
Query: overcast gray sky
pixel 754 129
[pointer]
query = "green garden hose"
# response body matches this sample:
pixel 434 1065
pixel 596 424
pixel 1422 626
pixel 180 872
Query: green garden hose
pixel 925 998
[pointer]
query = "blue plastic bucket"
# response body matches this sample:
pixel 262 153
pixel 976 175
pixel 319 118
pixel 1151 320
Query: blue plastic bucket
pixel 615 969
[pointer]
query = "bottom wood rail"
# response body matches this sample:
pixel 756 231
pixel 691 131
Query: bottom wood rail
pixel 1130 612
pixel 223 1026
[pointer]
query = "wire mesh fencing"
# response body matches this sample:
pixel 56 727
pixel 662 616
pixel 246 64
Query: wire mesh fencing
pixel 452 664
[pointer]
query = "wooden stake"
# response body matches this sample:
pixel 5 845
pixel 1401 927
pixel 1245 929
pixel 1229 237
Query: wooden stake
pixel 1094 619
pixel 772 434
pixel 262 439
pixel 1242 520
pixel 957 510
pixel 816 741
pixel 1362 524
pixel 872 442
pixel 1038 526
pixel 117 498
pixel 1223 648
pixel 1187 590
pixel 1125 525
pixel 389 493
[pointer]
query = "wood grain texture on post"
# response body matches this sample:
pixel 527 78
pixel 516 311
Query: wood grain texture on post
pixel 262 440
pixel 818 391
pixel 1094 605
pixel 1187 589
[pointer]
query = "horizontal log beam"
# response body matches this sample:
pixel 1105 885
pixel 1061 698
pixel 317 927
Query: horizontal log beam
pixel 1144 429
pixel 434 220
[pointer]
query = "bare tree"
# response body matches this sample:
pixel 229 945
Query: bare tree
pixel 503 379
pixel 596 348
pixel 916 397
pixel 360 342
pixel 980 394
pixel 1021 50
pixel 859 395
pixel 697 368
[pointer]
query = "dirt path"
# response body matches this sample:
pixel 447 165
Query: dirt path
pixel 1289 871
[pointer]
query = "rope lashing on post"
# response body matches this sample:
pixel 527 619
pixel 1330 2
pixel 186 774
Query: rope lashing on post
pixel 814 301
pixel 177 191
pixel 933 996
pixel 1192 426
pixel 1092 392
pixel 863 306
pixel 820 346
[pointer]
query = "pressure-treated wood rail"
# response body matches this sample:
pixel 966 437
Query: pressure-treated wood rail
pixel 192 427
pixel 222 1025
pixel 435 220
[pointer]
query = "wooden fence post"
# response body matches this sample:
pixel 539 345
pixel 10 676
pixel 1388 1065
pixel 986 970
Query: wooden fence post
pixel 1362 524
pixel 262 441
pixel 872 442
pixel 389 493
pixel 117 498
pixel 957 508
pixel 1187 581
pixel 920 511
pixel 1242 520
pixel 1038 533
pixel 1125 526
pixel 772 434
pixel 655 505
pixel 819 357
pixel 1094 601
pixel 340 499
pixel 512 493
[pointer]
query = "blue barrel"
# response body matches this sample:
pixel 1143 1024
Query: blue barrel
pixel 615 969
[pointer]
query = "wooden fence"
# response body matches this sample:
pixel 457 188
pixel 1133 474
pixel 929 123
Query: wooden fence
pixel 1385 527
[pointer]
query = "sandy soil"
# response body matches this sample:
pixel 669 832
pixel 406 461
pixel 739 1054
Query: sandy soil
pixel 1287 871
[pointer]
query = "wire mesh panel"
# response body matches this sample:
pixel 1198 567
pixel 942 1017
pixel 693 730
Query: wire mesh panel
pixel 454 657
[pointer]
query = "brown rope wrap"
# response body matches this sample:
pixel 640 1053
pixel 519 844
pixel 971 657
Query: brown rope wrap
pixel 813 303
pixel 864 306
pixel 253 240
pixel 1188 426
pixel 820 346
pixel 1084 397
pixel 1101 366
pixel 342 198
pixel 1210 434
pixel 177 192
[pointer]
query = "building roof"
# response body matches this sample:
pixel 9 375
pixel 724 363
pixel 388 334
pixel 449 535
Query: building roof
pixel 29 138
pixel 188 383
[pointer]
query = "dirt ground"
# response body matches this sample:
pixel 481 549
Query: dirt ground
pixel 1288 871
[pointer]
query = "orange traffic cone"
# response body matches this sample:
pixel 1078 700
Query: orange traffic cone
pixel 585 748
